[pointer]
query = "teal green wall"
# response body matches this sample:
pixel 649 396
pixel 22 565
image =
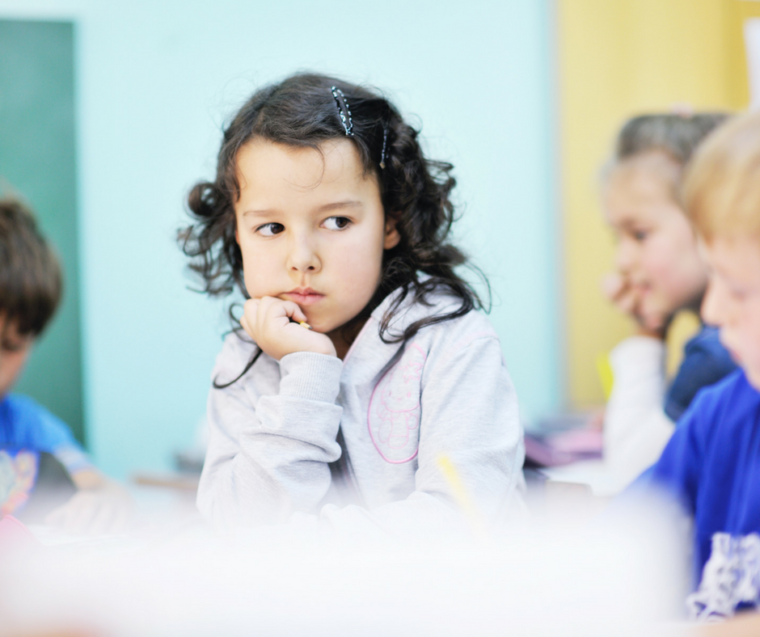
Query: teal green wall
pixel 38 162
pixel 157 80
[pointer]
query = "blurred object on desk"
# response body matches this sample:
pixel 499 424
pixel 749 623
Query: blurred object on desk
pixel 190 459
pixel 32 484
pixel 180 481
pixel 564 439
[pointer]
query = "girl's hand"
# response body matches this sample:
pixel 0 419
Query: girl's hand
pixel 268 322
pixel 619 289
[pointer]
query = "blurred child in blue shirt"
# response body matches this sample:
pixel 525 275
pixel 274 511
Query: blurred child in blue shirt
pixel 711 466
pixel 30 290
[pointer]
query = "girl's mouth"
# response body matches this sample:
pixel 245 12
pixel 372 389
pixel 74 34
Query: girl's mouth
pixel 304 296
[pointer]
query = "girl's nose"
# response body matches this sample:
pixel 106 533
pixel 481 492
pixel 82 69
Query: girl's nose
pixel 302 256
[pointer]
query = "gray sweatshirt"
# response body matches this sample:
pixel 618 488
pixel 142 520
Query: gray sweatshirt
pixel 275 449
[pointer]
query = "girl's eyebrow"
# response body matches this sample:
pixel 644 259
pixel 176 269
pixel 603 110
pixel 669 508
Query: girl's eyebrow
pixel 334 205
pixel 337 205
pixel 259 213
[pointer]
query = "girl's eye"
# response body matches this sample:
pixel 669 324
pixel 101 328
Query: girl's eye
pixel 640 235
pixel 270 229
pixel 336 223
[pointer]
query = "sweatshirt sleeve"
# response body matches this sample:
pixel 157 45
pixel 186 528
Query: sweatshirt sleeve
pixel 636 428
pixel 706 361
pixel 268 455
pixel 470 416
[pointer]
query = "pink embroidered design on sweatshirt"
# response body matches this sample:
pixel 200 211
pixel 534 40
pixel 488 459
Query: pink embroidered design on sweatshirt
pixel 394 408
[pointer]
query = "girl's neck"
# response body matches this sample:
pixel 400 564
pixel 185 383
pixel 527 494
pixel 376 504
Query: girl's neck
pixel 344 336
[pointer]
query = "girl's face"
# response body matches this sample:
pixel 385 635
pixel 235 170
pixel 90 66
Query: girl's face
pixel 657 251
pixel 311 228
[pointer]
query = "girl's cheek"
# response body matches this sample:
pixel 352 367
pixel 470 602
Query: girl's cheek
pixel 254 272
pixel 674 262
pixel 657 260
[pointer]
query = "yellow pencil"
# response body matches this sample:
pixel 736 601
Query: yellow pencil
pixel 604 369
pixel 462 498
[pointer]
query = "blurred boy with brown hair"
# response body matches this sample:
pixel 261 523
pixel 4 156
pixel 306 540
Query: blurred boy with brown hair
pixel 30 291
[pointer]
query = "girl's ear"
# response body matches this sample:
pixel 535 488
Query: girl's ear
pixel 392 237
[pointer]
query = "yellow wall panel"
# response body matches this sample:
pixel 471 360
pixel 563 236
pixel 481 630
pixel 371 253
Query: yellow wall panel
pixel 737 11
pixel 617 59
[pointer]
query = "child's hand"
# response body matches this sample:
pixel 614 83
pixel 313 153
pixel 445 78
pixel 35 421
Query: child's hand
pixel 627 297
pixel 101 506
pixel 268 322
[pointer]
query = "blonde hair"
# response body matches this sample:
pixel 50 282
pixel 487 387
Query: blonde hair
pixel 721 189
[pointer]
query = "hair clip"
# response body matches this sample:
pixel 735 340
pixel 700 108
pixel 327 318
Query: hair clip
pixel 385 141
pixel 343 109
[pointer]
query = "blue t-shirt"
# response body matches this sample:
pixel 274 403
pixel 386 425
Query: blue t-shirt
pixel 711 466
pixel 705 362
pixel 24 424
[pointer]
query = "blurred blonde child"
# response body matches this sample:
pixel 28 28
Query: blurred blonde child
pixel 659 273
pixel 711 466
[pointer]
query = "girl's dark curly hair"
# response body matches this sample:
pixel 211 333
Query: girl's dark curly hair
pixel 302 111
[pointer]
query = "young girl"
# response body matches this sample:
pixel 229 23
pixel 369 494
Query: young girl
pixel 363 370
pixel 659 272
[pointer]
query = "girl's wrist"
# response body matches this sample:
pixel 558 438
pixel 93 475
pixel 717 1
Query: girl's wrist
pixel 327 350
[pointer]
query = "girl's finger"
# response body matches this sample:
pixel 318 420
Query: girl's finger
pixel 272 308
pixel 250 315
pixel 245 326
pixel 250 309
pixel 628 302
pixel 264 310
pixel 294 311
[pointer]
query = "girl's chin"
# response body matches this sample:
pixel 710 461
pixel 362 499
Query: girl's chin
pixel 656 314
pixel 318 325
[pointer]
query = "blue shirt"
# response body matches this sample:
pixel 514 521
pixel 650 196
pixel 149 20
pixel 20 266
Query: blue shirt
pixel 705 362
pixel 24 424
pixel 711 466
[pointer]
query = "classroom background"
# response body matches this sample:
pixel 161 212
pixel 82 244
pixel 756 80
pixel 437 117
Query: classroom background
pixel 109 112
